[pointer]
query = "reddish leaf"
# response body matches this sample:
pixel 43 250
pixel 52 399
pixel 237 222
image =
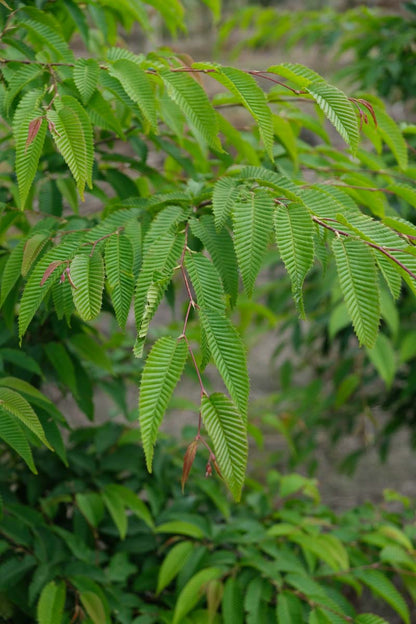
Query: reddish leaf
pixel 34 127
pixel 51 268
pixel 188 460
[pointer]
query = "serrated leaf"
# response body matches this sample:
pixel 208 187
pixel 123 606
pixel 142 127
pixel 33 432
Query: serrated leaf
pixel 229 355
pixel 12 270
pixel 369 618
pixel 228 433
pixel 102 114
pixel 195 105
pixel 221 249
pixel 50 607
pixel 87 274
pixel 288 609
pixel 338 109
pixel 12 433
pixel 224 194
pixel 359 285
pixel 118 265
pixel 295 72
pixel 205 281
pixel 253 223
pixel 381 585
pixel 32 248
pixel 232 602
pixel 162 371
pixel 294 235
pixel 27 156
pixel 173 563
pixel 392 136
pixel 16 405
pixel 86 72
pixel 192 592
pixel 138 87
pixel 46 28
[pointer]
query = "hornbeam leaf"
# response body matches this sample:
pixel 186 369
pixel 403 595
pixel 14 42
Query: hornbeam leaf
pixel 359 285
pixel 224 195
pixel 118 264
pixel 33 247
pixel 294 235
pixel 12 433
pixel 195 105
pixel 338 109
pixel 12 270
pixel 381 585
pixel 228 433
pixel 192 592
pixel 28 153
pixel 137 85
pixel 173 563
pixel 253 223
pixel 299 74
pixel 50 607
pixel 206 281
pixel 162 371
pixel 392 136
pixel 229 355
pixel 87 274
pixel 86 72
pixel 15 404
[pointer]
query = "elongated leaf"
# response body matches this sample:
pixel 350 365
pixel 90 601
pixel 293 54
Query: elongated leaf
pixel 162 371
pixel 245 88
pixel 94 607
pixel 86 72
pixel 50 608
pixel 227 431
pixel 16 405
pixel 195 105
pixel 91 506
pixel 294 235
pixel 137 85
pixel 288 609
pixel 46 28
pixel 383 587
pixel 173 563
pixel 338 109
pixel 20 77
pixel 229 355
pixel 27 155
pixel 193 592
pixel 295 72
pixel 116 508
pixel 232 602
pixel 102 114
pixel 220 247
pixel 118 264
pixel 253 223
pixel 87 274
pixel 358 279
pixel 12 433
pixel 392 136
pixel 12 270
pixel 383 358
pixel 370 618
pixel 33 247
pixel 206 282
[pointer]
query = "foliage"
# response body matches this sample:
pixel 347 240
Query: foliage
pixel 68 547
pixel 373 46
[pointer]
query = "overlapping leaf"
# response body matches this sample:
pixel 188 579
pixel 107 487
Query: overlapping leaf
pixel 87 274
pixel 86 72
pixel 118 265
pixel 162 371
pixel 137 85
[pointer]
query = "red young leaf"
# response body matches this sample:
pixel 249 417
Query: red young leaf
pixel 34 127
pixel 188 460
pixel 51 268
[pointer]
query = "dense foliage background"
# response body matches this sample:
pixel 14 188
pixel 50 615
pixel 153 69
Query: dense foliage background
pixel 159 217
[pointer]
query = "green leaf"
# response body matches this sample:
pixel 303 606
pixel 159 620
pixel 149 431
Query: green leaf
pixel 137 85
pixel 383 357
pixel 289 608
pixel 16 405
pixel 358 279
pixel 162 371
pixel 135 504
pixel 50 607
pixel 294 235
pixel 18 79
pixel 392 136
pixel 12 433
pixel 173 563
pixel 253 223
pixel 206 281
pixel 369 618
pixel 229 355
pixel 91 506
pixel 232 602
pixel 195 105
pixel 224 195
pixel 21 359
pixel 245 88
pixel 72 132
pixel 181 527
pixel 115 506
pixel 221 249
pixel 12 270
pixel 381 586
pixel 33 247
pixel 338 109
pixel 86 72
pixel 90 350
pixel 295 72
pixel 87 274
pixel 102 115
pixel 94 607
pixel 62 363
pixel 28 154
pixel 192 592
pixel 118 264
pixel 228 433
pixel 46 28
